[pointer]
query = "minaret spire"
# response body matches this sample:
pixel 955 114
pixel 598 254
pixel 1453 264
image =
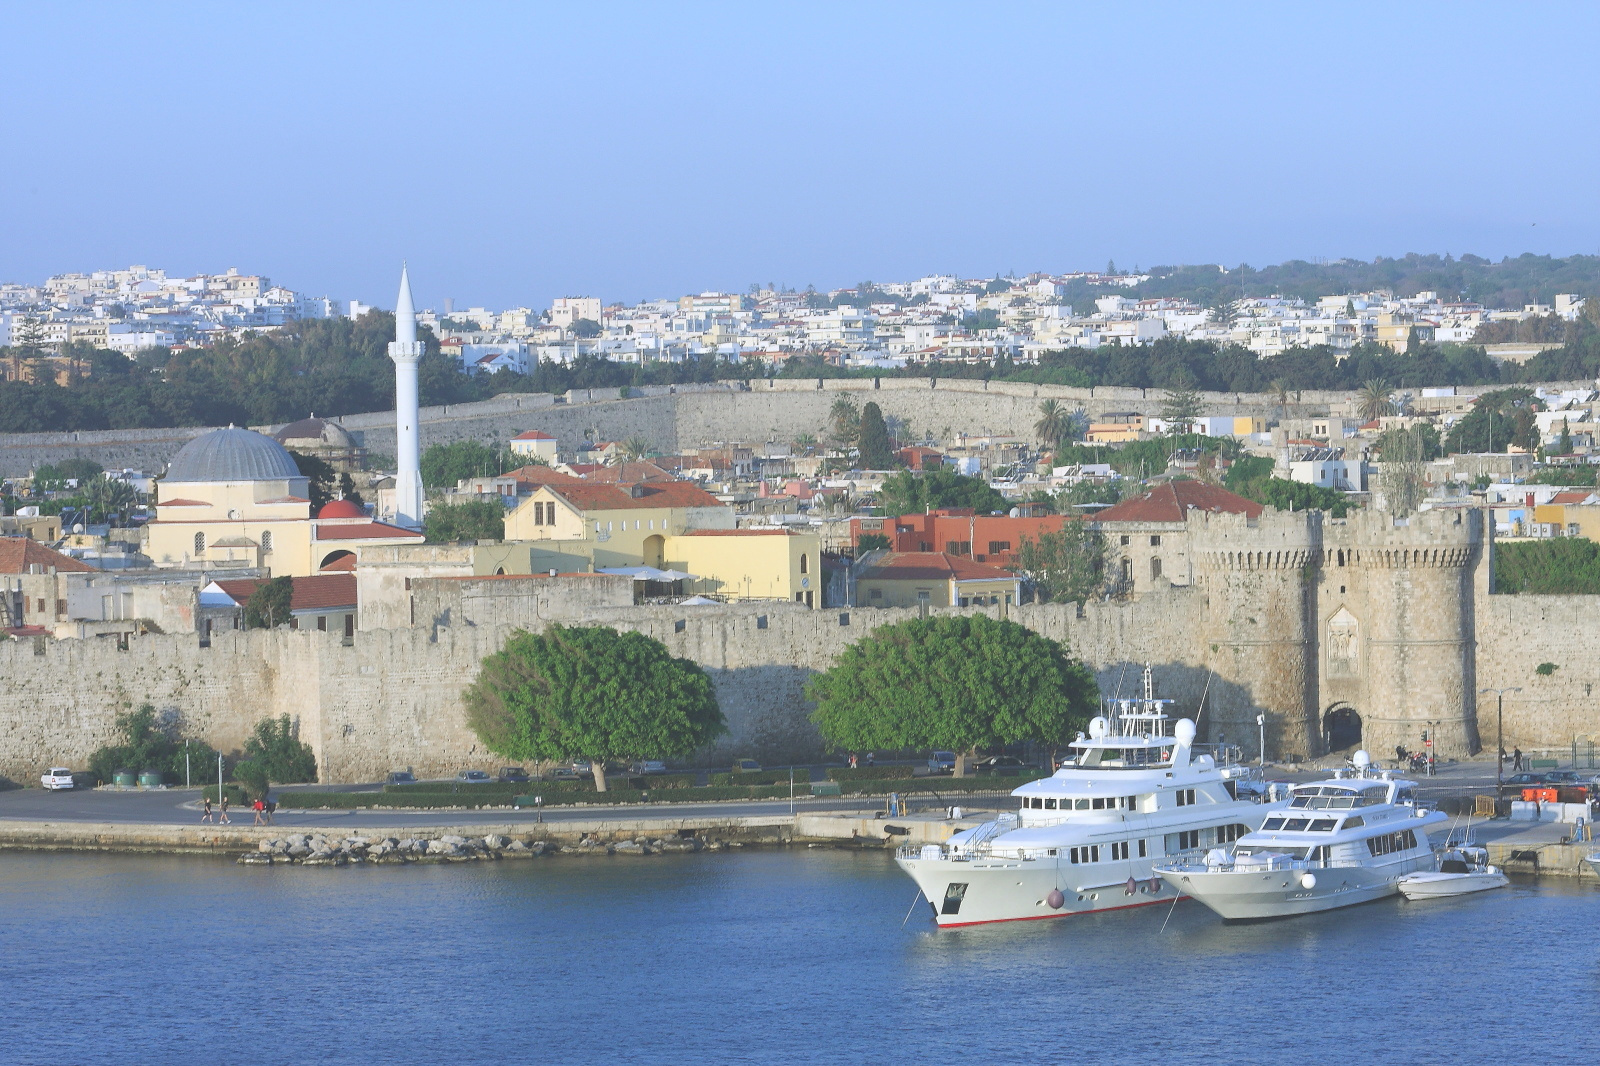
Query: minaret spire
pixel 406 351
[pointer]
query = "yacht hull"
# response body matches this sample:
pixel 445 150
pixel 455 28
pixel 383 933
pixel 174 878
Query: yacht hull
pixel 1009 890
pixel 1439 885
pixel 1252 894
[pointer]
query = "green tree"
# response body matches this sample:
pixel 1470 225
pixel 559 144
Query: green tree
pixel 844 421
pixel 955 682
pixel 469 520
pixel 872 542
pixel 1052 424
pixel 636 448
pixel 147 743
pixel 275 748
pixel 269 605
pixel 1372 400
pixel 54 477
pixel 1559 566
pixel 592 693
pixel 873 436
pixel 110 498
pixel 1182 406
pixel 445 464
pixel 322 480
pixel 1069 565
pixel 907 492
pixel 1498 420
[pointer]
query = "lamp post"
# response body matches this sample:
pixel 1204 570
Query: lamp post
pixel 1500 731
pixel 1261 724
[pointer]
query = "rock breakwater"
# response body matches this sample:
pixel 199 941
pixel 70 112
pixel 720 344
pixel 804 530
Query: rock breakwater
pixel 306 849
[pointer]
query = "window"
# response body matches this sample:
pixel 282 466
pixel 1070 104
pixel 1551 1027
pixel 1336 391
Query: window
pixel 1226 834
pixel 1127 569
pixel 1271 825
pixel 1141 849
pixel 1081 804
pixel 1050 803
pixel 959 547
pixel 964 601
pixel 322 623
pixel 1085 854
pixel 199 543
pixel 998 546
pixel 1155 569
pixel 1126 540
pixel 1185 797
pixel 1354 821
pixel 266 541
pixel 1188 839
pixel 1390 843
pixel 953 895
pixel 538 513
pixel 1155 540
pixel 805 565
pixel 876 594
pixel 1119 850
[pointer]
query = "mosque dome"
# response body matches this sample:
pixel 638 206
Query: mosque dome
pixel 341 509
pixel 231 455
pixel 311 433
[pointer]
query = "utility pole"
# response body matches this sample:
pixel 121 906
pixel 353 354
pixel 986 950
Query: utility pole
pixel 1500 731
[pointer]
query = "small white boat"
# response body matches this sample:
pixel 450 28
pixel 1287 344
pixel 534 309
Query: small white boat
pixel 1594 863
pixel 1461 870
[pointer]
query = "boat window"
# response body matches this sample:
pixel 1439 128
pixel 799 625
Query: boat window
pixel 1086 854
pixel 1406 796
pixel 1374 795
pixel 1324 825
pixel 1271 825
pixel 1354 821
pixel 1141 848
pixel 1082 804
pixel 1185 797
pixel 1099 803
pixel 1300 801
pixel 1454 866
pixel 1049 803
pixel 1295 825
pixel 1037 804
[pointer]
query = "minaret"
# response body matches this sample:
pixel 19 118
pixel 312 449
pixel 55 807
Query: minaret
pixel 406 351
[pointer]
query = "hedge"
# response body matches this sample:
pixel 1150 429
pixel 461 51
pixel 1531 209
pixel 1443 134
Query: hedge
pixel 236 795
pixel 937 784
pixel 642 781
pixel 802 776
pixel 871 773
pixel 487 788
pixel 552 797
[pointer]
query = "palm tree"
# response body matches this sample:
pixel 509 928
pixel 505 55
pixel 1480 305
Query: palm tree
pixel 805 442
pixel 1052 426
pixel 635 448
pixel 108 497
pixel 845 419
pixel 1372 399
pixel 1278 389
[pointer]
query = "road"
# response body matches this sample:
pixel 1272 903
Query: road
pixel 180 806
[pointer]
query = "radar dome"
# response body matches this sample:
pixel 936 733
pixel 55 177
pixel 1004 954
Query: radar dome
pixel 1361 759
pixel 1184 731
pixel 1097 727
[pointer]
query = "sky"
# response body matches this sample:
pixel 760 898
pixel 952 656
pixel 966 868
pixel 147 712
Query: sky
pixel 514 153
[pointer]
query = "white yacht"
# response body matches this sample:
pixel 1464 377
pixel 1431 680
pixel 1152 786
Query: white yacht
pixel 1342 841
pixel 1086 838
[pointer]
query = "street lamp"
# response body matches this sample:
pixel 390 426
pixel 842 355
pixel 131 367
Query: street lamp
pixel 1261 752
pixel 1500 729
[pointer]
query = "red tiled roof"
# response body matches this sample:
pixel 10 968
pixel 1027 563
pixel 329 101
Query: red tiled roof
pixel 364 531
pixel 319 592
pixel 933 566
pixel 534 474
pixel 739 533
pixel 628 473
pixel 17 554
pixel 183 503
pixel 653 495
pixel 343 563
pixel 1572 496
pixel 1171 503
pixel 533 434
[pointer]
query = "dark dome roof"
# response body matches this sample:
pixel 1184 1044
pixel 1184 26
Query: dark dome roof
pixel 232 455
pixel 330 434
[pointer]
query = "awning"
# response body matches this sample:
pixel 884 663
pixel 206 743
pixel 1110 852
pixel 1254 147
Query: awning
pixel 646 573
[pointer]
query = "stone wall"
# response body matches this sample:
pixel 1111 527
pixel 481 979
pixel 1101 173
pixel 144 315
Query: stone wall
pixel 1515 635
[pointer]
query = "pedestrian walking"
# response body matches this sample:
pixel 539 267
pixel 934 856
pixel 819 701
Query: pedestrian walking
pixel 222 816
pixel 272 809
pixel 853 761
pixel 1516 759
pixel 871 757
pixel 260 808
pixel 206 817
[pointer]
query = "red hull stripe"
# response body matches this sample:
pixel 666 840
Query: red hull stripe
pixel 1063 914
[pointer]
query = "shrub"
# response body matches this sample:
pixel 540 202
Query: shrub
pixel 937 784
pixel 552 797
pixel 802 776
pixel 870 773
pixel 1545 669
pixel 236 795
pixel 661 781
pixel 148 745
pixel 280 755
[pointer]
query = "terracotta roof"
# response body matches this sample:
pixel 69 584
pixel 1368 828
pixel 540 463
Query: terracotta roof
pixel 739 533
pixel 653 495
pixel 933 566
pixel 1572 496
pixel 341 509
pixel 343 563
pixel 628 473
pixel 533 434
pixel 536 474
pixel 183 503
pixel 1171 503
pixel 364 531
pixel 319 592
pixel 17 554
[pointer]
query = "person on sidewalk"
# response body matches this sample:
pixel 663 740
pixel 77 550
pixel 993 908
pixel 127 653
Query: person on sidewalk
pixel 222 817
pixel 1516 759
pixel 260 809
pixel 206 817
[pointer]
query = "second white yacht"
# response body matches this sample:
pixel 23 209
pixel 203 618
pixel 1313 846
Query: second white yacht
pixel 1342 841
pixel 1087 838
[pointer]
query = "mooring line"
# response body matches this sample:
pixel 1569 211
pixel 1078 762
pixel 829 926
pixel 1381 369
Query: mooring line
pixel 911 908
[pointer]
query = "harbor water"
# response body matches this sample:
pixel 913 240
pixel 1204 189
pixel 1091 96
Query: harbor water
pixel 756 956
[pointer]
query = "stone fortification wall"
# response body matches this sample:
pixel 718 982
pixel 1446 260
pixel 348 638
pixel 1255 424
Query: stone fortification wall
pixel 1516 634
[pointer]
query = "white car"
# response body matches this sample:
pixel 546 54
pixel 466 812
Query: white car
pixel 57 777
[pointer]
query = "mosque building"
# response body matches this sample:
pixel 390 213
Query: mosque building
pixel 233 498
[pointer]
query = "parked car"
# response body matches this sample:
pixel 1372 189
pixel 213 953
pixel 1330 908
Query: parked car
pixel 561 773
pixel 513 775
pixel 583 767
pixel 401 777
pixel 1004 765
pixel 473 777
pixel 942 762
pixel 1513 784
pixel 56 778
pixel 746 766
pixel 650 766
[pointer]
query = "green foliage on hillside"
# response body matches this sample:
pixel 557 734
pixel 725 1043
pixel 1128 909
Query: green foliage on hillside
pixel 1560 566
pixel 911 493
pixel 956 683
pixel 469 520
pixel 1581 476
pixel 146 743
pixel 1498 420
pixel 443 465
pixel 1251 477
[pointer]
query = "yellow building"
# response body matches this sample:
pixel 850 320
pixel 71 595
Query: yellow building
pixel 628 525
pixel 234 498
pixel 937 579
pixel 750 564
pixel 1115 427
pixel 1575 513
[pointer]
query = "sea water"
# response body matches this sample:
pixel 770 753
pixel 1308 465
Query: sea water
pixel 754 956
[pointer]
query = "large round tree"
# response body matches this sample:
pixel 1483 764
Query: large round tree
pixel 591 693
pixel 956 683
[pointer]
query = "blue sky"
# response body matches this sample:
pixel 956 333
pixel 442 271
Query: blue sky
pixel 519 152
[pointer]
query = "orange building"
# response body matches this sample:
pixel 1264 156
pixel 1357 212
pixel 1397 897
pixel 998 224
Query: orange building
pixel 958 531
